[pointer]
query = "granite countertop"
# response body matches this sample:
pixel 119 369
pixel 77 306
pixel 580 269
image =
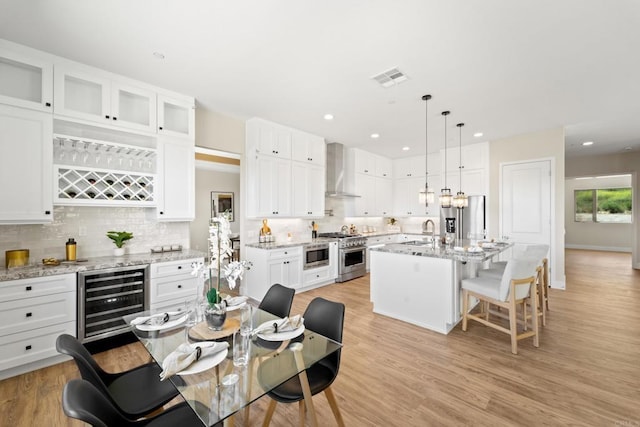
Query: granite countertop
pixel 97 263
pixel 425 249
pixel 286 244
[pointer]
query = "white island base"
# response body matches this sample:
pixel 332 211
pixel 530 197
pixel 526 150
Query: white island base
pixel 422 290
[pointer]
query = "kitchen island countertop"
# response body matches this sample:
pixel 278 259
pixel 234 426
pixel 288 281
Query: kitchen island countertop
pixel 96 263
pixel 424 249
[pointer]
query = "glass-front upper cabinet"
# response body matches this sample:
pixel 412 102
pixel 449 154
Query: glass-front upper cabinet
pixel 90 96
pixel 176 117
pixel 25 80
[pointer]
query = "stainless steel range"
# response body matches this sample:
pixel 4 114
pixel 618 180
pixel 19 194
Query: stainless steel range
pixel 352 255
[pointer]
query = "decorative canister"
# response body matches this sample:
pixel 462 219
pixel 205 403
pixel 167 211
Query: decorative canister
pixel 16 258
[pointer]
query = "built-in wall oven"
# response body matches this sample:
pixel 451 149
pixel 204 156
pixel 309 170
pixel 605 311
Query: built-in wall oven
pixel 104 296
pixel 316 255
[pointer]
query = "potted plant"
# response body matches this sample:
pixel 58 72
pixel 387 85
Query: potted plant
pixel 119 238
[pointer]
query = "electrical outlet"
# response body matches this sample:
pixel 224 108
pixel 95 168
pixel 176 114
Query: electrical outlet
pixel 82 231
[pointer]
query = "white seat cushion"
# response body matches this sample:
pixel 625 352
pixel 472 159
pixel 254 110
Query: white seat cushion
pixel 491 273
pixel 483 286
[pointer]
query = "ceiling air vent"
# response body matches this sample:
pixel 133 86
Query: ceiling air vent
pixel 390 77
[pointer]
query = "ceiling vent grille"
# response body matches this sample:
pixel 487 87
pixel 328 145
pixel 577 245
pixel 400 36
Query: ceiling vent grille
pixel 390 77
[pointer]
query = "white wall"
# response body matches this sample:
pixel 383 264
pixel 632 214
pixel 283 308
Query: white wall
pixel 594 235
pixel 533 146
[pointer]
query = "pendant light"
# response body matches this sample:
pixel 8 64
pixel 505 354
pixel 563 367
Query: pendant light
pixel 445 193
pixel 426 195
pixel 460 201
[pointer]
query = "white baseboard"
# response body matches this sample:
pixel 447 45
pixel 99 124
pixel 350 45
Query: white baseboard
pixel 598 248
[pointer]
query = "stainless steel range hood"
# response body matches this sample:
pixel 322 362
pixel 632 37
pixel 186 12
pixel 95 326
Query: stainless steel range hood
pixel 336 167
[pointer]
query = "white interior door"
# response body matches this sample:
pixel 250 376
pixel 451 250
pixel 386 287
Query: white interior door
pixel 525 202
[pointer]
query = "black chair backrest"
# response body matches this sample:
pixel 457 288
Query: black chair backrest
pixel 278 300
pixel 82 401
pixel 326 318
pixel 89 369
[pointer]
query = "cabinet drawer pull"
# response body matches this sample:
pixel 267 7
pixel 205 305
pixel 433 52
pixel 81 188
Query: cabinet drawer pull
pixel 106 117
pixel 160 127
pixel 179 267
pixel 47 212
pixel 28 347
pixel 29 314
pixel 47 104
pixel 115 118
pixel 28 288
pixel 179 286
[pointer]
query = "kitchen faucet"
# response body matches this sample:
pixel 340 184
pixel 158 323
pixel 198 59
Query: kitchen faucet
pixel 433 231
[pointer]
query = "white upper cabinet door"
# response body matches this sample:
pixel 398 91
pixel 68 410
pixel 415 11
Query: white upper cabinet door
pixel 409 167
pixel 383 196
pixel 82 95
pixel 273 184
pixel 176 117
pixel 268 139
pixel 364 162
pixel 383 167
pixel 365 186
pixel 133 107
pixel 176 172
pixel 307 148
pixel 26 152
pixel 308 188
pixel 476 156
pixel 26 81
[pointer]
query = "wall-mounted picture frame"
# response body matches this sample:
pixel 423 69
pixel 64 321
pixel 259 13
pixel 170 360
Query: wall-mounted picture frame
pixel 222 204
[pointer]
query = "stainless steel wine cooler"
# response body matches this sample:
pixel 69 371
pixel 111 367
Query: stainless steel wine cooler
pixel 104 296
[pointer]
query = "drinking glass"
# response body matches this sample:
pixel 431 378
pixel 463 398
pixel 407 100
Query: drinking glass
pixel 241 345
pixel 191 311
pixel 246 319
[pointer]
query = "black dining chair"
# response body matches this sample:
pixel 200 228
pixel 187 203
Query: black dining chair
pixel 278 300
pixel 325 318
pixel 81 400
pixel 135 392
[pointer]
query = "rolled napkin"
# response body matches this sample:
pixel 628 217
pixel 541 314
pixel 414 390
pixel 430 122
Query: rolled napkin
pixel 281 325
pixel 183 356
pixel 458 248
pixel 233 301
pixel 160 318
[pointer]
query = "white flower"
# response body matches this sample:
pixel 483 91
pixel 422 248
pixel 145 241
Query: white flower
pixel 234 270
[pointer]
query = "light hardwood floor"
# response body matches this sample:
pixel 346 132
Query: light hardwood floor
pixel 586 371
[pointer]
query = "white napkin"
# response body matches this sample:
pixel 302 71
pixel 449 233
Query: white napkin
pixel 233 301
pixel 182 357
pixel 172 316
pixel 284 325
pixel 458 248
pixel 475 249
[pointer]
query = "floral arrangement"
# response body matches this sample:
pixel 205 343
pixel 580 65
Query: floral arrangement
pixel 219 250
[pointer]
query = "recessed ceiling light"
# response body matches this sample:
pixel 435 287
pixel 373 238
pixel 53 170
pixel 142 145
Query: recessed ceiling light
pixel 328 116
pixel 478 134
pixel 405 148
pixel 375 135
pixel 627 148
pixel 158 55
pixel 587 143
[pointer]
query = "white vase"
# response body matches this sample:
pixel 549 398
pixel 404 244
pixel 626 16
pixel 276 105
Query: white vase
pixel 118 252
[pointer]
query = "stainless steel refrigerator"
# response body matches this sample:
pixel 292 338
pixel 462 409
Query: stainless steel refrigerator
pixel 467 222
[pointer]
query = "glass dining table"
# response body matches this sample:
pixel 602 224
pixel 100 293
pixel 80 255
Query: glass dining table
pixel 220 391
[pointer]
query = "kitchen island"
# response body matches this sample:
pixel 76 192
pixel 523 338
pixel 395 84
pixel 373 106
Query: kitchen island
pixel 418 284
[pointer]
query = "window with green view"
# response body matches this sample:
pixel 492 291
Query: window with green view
pixel 606 205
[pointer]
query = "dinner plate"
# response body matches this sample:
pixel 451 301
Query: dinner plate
pixel 280 336
pixel 204 363
pixel 168 325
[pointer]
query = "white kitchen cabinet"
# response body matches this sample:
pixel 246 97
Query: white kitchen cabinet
pixel 406 200
pixel 334 262
pixel 88 94
pixel 383 167
pixel 308 188
pixel 27 78
pixel 26 156
pixel 474 156
pixel 172 284
pixel 409 167
pixel 176 116
pixel 269 139
pixel 270 266
pixel 367 163
pixel 474 182
pixel 33 312
pixel 176 183
pixel 365 186
pixel 383 202
pixel 307 148
pixel 272 181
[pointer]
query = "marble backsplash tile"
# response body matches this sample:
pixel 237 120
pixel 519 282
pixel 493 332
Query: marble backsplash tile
pixel 88 226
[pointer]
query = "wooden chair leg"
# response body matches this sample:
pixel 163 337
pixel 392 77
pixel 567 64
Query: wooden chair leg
pixel 301 409
pixel 270 410
pixel 534 314
pixel 465 308
pixel 513 325
pixel 524 314
pixel 333 403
